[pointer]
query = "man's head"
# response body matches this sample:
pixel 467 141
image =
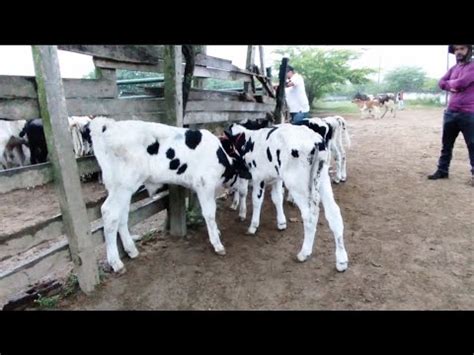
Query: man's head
pixel 290 71
pixel 463 52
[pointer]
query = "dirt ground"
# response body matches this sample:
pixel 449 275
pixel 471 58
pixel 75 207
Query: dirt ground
pixel 409 240
pixel 42 203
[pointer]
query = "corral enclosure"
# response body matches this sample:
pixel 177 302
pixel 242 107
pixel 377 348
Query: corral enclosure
pixel 409 240
pixel 36 244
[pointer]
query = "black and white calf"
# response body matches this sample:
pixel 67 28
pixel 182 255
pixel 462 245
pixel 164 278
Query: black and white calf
pixel 14 151
pixel 33 131
pixel 81 139
pixel 337 132
pixel 334 131
pixel 135 153
pixel 297 157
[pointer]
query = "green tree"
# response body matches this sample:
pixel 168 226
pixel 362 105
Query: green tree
pixel 348 89
pixel 431 85
pixel 405 78
pixel 324 69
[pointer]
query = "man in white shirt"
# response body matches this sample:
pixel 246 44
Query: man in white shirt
pixel 296 98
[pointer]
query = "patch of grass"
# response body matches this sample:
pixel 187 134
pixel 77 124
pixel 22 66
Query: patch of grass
pixel 194 218
pixel 148 236
pixel 423 103
pixel 47 302
pixel 335 107
pixel 71 285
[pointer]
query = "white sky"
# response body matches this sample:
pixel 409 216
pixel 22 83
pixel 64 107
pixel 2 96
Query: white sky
pixel 17 60
pixel 432 59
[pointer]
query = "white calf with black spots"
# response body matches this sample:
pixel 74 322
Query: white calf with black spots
pixel 135 153
pixel 339 133
pixel 297 157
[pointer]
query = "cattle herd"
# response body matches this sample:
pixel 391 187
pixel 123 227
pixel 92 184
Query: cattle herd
pixel 23 142
pixel 288 158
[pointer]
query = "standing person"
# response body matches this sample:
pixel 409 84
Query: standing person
pixel 401 104
pixel 459 116
pixel 296 98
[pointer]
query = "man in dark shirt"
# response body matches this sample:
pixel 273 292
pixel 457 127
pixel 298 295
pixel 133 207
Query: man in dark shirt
pixel 459 116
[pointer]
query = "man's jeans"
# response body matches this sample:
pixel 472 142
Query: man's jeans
pixel 298 116
pixel 453 123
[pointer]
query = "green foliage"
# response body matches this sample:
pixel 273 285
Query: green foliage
pixel 335 107
pixel 426 102
pixel 47 302
pixel 431 85
pixel 349 90
pixel 408 79
pixel 323 69
pixel 90 75
pixel 194 218
pixel 71 285
pixel 148 236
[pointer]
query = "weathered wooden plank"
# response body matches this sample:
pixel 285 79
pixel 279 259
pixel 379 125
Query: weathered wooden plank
pixel 27 297
pixel 266 84
pixel 202 72
pixel 31 257
pixel 213 62
pixel 202 95
pixel 12 87
pixel 154 91
pixel 54 113
pixel 29 237
pixel 23 109
pixel 138 213
pixel 147 117
pixel 53 227
pixel 262 60
pixel 214 117
pixel 17 86
pixel 132 108
pixel 125 53
pixel 209 105
pixel 19 109
pixel 264 99
pixel 111 107
pixel 173 60
pixel 114 64
pixel 39 174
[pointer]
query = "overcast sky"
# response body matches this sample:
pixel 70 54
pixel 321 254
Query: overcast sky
pixel 17 60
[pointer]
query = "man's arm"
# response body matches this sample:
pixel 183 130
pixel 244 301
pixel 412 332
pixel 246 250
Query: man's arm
pixel 443 82
pixel 465 79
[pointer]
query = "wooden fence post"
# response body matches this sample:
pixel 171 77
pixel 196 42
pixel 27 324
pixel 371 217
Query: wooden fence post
pixel 55 121
pixel 173 71
pixel 249 62
pixel 198 83
pixel 262 60
pixel 281 91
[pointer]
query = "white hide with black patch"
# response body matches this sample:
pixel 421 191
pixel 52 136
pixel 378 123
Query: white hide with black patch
pixel 297 157
pixel 339 134
pixel 80 142
pixel 135 153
